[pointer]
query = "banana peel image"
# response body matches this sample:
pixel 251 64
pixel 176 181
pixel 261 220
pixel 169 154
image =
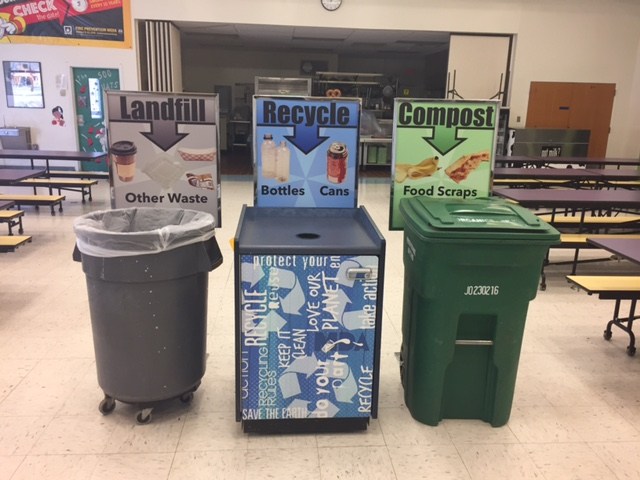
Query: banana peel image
pixel 425 168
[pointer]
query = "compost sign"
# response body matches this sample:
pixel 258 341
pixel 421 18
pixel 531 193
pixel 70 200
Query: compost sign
pixel 308 334
pixel 163 151
pixel 306 152
pixel 441 149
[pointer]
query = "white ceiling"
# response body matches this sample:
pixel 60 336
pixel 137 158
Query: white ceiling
pixel 328 40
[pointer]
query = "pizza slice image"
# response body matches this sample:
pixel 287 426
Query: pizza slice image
pixel 459 170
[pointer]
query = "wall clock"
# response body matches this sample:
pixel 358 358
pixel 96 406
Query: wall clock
pixel 331 5
pixel 80 5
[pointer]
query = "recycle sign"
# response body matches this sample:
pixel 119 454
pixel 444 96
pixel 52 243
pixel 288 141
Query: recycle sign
pixel 306 151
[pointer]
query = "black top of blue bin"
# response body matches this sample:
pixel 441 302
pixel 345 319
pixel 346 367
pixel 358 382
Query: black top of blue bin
pixel 307 231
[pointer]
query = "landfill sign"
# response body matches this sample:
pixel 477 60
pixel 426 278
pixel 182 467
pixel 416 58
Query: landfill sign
pixel 441 149
pixel 308 333
pixel 164 151
pixel 306 152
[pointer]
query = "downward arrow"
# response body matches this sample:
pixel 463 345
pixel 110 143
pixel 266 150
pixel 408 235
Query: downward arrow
pixel 306 139
pixel 444 139
pixel 164 134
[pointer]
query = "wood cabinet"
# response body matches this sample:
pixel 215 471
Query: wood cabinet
pixel 575 106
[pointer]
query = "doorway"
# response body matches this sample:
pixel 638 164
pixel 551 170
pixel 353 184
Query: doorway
pixel 89 85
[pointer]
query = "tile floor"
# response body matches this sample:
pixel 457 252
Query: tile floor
pixel 576 411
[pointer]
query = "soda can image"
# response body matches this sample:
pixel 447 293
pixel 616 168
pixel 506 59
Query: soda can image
pixel 337 159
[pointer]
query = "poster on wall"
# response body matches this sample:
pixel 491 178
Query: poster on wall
pixel 96 23
pixel 163 151
pixel 306 151
pixel 23 84
pixel 307 337
pixel 441 149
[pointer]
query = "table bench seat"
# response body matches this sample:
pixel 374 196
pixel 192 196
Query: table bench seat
pixel 590 220
pixel 627 286
pixel 74 185
pixel 630 184
pixel 9 243
pixel 579 240
pixel 35 200
pixel 618 288
pixel 516 182
pixel 13 218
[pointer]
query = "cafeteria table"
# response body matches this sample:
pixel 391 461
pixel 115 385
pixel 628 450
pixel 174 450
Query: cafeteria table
pixel 573 177
pixel 618 288
pixel 603 202
pixel 519 160
pixel 10 176
pixel 621 247
pixel 583 200
pixel 49 155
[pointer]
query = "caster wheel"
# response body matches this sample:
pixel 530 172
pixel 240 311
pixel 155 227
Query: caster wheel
pixel 631 351
pixel 107 405
pixel 186 397
pixel 607 335
pixel 144 416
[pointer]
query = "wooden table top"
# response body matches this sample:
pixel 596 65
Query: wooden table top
pixel 9 176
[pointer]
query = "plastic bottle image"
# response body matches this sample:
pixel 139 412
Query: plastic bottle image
pixel 283 161
pixel 268 153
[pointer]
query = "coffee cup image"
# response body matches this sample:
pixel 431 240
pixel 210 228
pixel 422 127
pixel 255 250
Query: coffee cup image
pixel 123 155
pixel 197 154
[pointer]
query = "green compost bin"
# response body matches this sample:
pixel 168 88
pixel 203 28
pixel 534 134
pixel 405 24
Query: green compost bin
pixel 471 268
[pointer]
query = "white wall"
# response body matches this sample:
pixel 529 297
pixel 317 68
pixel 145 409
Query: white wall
pixel 57 60
pixel 633 116
pixel 557 40
pixel 478 64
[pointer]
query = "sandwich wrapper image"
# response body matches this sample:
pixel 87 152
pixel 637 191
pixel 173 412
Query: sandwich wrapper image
pixel 204 180
pixel 165 170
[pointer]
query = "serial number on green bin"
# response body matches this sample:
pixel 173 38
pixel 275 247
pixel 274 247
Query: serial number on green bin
pixel 486 290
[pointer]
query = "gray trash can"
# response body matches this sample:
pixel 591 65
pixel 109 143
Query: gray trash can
pixel 147 281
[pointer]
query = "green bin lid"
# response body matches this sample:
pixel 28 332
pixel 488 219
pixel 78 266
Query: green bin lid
pixel 478 218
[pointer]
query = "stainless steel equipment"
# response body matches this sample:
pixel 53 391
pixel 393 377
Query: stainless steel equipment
pixel 15 138
pixel 282 86
pixel 542 142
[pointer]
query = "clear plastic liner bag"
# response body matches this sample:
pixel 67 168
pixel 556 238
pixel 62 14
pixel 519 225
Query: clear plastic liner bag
pixel 140 231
